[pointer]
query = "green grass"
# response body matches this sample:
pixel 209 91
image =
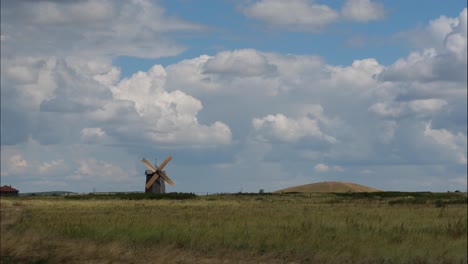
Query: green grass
pixel 303 228
pixel 133 196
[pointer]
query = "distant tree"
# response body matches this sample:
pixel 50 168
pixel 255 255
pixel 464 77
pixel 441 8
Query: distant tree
pixel 261 191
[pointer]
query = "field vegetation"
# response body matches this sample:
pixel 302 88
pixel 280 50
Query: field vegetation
pixel 242 228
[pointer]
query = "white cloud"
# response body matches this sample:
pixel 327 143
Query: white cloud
pixel 306 15
pixel 282 128
pixel 190 75
pixel 168 117
pixel 242 72
pixel 92 28
pixel 239 63
pixel 385 110
pixel 31 76
pixel 455 142
pixel 321 167
pixel 445 58
pixel 295 14
pixel 75 12
pixel 363 10
pixel 361 74
pixel 426 105
pixel 92 169
pixel 138 107
pixel 47 167
pixel 13 163
pixel 98 69
pixel 17 162
pixel 387 131
pixel 456 40
pixel 417 66
pixel 420 106
pixel 439 28
pixel 93 135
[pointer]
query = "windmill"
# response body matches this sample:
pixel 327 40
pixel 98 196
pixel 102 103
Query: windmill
pixel 155 177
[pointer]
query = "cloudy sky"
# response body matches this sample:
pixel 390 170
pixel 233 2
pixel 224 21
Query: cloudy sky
pixel 245 95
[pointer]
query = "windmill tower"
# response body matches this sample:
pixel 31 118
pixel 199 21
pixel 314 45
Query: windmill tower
pixel 155 177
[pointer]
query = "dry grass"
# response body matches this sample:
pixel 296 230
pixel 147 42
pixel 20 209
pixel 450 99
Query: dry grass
pixel 231 229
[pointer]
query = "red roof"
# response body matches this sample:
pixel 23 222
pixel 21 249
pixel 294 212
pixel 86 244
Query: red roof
pixel 6 188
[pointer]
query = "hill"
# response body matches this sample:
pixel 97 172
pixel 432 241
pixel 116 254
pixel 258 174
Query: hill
pixel 326 187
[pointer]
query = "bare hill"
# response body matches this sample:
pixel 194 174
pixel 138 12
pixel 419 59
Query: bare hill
pixel 325 187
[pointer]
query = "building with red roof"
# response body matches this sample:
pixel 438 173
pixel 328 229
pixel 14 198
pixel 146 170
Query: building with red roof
pixel 8 190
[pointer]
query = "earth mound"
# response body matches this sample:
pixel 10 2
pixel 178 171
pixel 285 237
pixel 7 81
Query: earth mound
pixel 329 187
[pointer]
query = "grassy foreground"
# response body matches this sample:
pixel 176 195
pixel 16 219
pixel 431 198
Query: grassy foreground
pixel 320 228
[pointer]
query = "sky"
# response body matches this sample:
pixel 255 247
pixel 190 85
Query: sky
pixel 244 95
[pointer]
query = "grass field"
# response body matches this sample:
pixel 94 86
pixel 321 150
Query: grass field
pixel 294 228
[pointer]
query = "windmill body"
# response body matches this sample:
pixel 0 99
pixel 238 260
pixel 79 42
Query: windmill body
pixel 158 186
pixel 156 177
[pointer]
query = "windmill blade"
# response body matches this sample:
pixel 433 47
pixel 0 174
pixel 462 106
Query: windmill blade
pixel 164 176
pixel 152 180
pixel 151 167
pixel 165 162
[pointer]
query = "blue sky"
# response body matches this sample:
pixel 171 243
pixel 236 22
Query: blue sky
pixel 263 94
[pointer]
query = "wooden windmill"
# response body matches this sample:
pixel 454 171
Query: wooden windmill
pixel 155 177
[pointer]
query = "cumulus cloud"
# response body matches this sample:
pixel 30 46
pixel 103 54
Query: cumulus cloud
pixel 296 14
pixel 138 107
pixel 285 129
pixel 168 117
pixel 363 10
pixel 190 75
pixel 361 73
pixel 455 41
pixel 446 61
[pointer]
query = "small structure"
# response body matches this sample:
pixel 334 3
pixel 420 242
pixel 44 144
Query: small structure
pixel 6 190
